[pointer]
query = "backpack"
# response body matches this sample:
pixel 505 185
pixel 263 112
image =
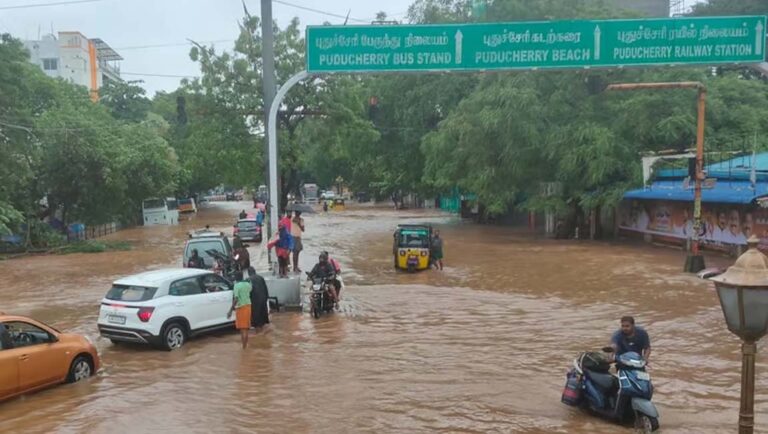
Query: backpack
pixel 594 361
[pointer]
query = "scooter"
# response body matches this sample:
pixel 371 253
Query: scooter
pixel 624 397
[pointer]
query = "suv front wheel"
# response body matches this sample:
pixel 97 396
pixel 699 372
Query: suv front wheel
pixel 173 337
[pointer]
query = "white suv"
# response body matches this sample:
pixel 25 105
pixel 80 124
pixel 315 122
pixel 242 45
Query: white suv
pixel 165 307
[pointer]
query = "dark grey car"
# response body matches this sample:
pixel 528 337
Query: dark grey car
pixel 248 230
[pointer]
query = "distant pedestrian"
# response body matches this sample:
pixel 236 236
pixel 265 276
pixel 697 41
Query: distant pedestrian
pixel 242 214
pixel 286 220
pixel 297 229
pixel 259 217
pixel 283 244
pixel 240 254
pixel 241 305
pixel 259 299
pixel 437 250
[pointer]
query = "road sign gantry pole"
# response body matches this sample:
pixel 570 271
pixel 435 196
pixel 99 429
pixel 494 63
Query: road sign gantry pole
pixel 274 200
pixel 694 262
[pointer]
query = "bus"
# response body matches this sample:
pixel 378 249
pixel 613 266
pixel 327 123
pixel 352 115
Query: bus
pixel 159 211
pixel 187 205
pixel 310 193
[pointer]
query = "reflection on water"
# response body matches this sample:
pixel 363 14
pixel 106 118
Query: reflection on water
pixel 481 347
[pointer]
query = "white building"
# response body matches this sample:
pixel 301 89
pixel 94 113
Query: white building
pixel 73 57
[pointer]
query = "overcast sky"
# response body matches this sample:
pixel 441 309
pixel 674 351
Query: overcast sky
pixel 129 26
pixel 133 23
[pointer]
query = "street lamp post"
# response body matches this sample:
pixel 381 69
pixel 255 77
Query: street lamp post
pixel 694 262
pixel 743 294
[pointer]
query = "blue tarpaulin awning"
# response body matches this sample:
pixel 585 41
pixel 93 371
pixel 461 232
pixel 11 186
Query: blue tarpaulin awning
pixel 738 192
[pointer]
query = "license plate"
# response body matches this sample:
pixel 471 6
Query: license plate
pixel 116 319
pixel 644 376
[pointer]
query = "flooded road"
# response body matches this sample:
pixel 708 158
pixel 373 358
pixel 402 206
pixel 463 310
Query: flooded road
pixel 481 347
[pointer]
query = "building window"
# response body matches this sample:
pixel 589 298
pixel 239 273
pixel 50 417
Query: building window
pixel 50 64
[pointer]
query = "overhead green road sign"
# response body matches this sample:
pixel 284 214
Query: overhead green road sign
pixel 531 45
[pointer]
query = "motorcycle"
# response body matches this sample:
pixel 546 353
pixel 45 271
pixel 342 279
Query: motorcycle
pixel 226 267
pixel 624 397
pixel 320 300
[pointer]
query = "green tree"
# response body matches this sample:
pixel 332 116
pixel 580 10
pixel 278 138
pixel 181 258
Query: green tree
pixel 126 100
pixel 729 7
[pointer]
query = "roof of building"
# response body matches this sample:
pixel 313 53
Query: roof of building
pixel 738 192
pixel 104 51
pixel 737 168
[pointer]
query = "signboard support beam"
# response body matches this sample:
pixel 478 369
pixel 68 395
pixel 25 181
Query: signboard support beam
pixel 694 262
pixel 268 81
pixel 274 199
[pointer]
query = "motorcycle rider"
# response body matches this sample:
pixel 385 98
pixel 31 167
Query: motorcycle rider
pixel 631 338
pixel 337 269
pixel 324 270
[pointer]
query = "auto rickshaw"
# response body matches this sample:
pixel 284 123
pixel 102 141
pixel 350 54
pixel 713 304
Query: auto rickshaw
pixel 338 204
pixel 411 248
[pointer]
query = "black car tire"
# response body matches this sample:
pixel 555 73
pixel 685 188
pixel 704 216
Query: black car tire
pixel 174 336
pixel 80 369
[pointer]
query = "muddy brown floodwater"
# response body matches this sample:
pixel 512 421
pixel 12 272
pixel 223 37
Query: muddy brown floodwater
pixel 481 347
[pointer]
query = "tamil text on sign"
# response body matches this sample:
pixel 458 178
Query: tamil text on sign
pixel 529 45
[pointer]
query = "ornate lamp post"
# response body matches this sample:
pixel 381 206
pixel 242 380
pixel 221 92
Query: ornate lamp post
pixel 743 293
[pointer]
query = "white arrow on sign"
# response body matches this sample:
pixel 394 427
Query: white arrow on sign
pixel 459 36
pixel 759 37
pixel 597 42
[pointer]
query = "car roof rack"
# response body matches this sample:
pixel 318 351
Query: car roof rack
pixel 202 233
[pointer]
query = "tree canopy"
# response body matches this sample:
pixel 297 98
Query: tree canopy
pixel 497 135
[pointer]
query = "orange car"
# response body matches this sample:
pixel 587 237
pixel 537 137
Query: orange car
pixel 34 355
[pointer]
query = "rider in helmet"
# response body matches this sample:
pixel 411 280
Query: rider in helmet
pixel 324 270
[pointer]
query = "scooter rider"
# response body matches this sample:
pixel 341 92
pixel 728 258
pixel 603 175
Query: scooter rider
pixel 324 270
pixel 631 338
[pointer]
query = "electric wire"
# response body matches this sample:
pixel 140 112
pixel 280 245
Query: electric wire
pixel 40 5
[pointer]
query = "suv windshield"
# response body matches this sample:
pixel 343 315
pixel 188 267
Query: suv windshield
pixel 246 224
pixel 202 245
pixel 130 293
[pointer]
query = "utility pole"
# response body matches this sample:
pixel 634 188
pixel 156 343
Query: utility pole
pixel 694 262
pixel 269 88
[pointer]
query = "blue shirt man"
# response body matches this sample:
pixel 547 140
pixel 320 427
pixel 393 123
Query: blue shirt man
pixel 631 338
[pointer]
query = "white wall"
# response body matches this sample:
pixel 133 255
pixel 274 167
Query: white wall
pixel 47 48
